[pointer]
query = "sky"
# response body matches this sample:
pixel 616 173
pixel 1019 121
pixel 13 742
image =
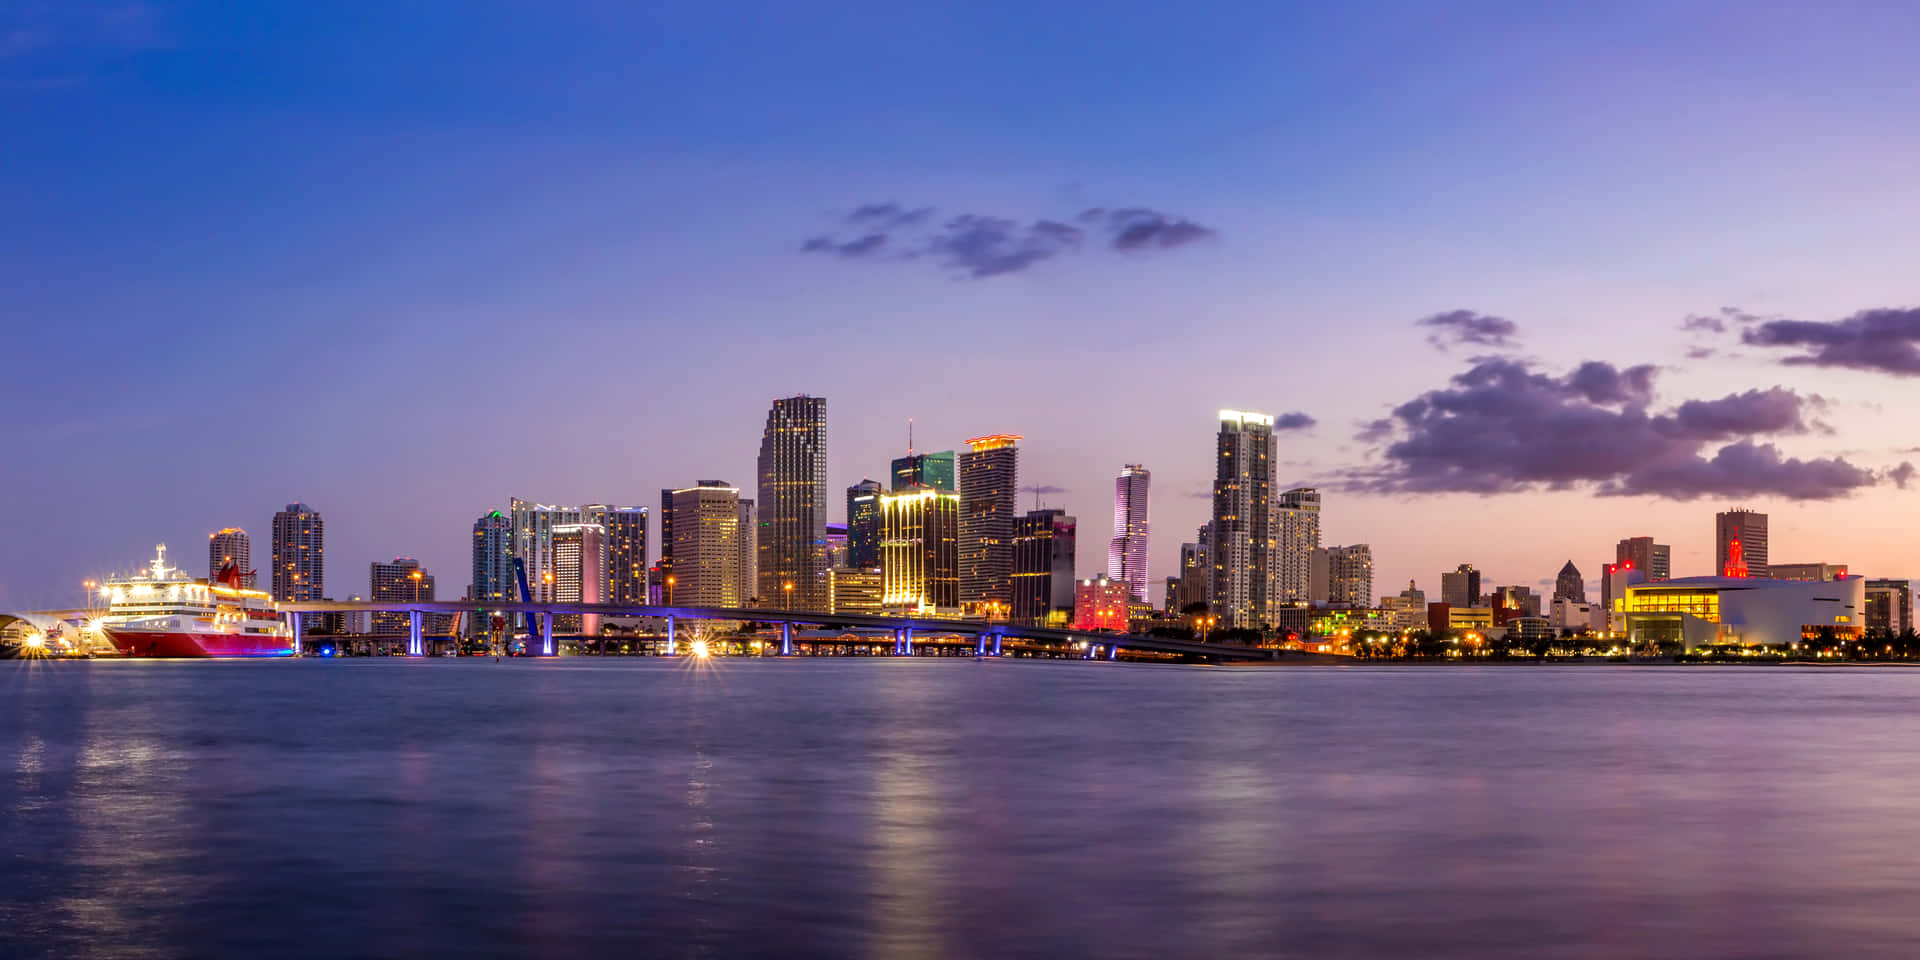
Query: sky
pixel 1535 277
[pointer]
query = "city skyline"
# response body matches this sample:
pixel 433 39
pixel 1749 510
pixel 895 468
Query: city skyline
pixel 1531 200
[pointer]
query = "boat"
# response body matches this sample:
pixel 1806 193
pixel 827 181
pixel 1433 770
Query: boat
pixel 163 612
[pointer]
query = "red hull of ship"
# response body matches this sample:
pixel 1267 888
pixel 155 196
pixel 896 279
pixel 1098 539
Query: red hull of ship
pixel 151 644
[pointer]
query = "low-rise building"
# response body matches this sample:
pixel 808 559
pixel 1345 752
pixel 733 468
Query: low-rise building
pixel 855 590
pixel 1749 611
pixel 1100 603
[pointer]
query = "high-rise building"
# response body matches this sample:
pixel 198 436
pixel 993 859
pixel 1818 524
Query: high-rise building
pixel 709 556
pixel 934 470
pixel 533 525
pixel 1747 528
pixel 1043 558
pixel 493 580
pixel 989 490
pixel 299 554
pixel 1296 535
pixel 1460 587
pixel 1100 604
pixel 1191 585
pixel 579 573
pixel 863 523
pixel 402 581
pixel 855 590
pixel 1242 512
pixel 626 529
pixel 1349 575
pixel 1127 551
pixel 749 515
pixel 1409 608
pixel 230 546
pixel 664 566
pixel 1656 559
pixel 836 545
pixel 919 549
pixel 791 541
pixel 1889 607
pixel 1569 585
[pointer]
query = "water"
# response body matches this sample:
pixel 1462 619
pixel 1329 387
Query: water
pixel 948 808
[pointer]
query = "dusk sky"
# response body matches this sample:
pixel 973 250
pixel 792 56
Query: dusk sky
pixel 1538 278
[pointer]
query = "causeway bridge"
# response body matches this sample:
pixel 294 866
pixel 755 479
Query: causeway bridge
pixel 988 635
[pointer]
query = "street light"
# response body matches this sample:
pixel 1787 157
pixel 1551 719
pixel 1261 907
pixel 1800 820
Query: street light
pixel 86 596
pixel 787 588
pixel 669 590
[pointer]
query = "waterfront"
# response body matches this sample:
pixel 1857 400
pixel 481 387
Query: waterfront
pixel 950 808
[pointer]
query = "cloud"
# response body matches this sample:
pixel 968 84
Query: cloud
pixel 1043 489
pixel 1699 353
pixel 1503 427
pixel 1901 474
pixel 1198 495
pixel 978 246
pixel 1466 326
pixel 1884 340
pixel 1293 421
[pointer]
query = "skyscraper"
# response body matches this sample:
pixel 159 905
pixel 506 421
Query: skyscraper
pixel 230 546
pixel 1127 551
pixel 626 529
pixel 919 549
pixel 792 537
pixel 989 490
pixel 299 554
pixel 1296 526
pixel 579 573
pixel 863 524
pixel 749 516
pixel 709 557
pixel 402 581
pixel 1653 560
pixel 1460 587
pixel 934 470
pixel 493 580
pixel 533 525
pixel 1750 529
pixel 1242 507
pixel 1043 557
pixel 1349 575
pixel 1569 585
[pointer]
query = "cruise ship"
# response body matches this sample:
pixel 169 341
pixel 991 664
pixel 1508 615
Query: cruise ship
pixel 163 612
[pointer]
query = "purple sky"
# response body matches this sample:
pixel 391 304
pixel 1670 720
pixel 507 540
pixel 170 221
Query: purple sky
pixel 405 266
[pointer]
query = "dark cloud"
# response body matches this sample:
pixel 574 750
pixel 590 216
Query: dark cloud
pixel 1374 431
pixel 1503 427
pixel 1200 495
pixel 859 247
pixel 1466 326
pixel 1901 474
pixel 888 216
pixel 1699 353
pixel 1884 340
pixel 980 246
pixel 1293 421
pixel 1043 489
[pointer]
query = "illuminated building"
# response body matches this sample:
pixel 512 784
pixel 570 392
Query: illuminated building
pixel 230 546
pixel 1043 558
pixel 1516 601
pixel 1653 560
pixel 1469 619
pixel 1570 614
pixel 1749 611
pixel 989 490
pixel 1127 551
pixel 855 590
pixel 1192 582
pixel 1409 608
pixel 1342 576
pixel 709 552
pixel 1889 606
pixel 1461 586
pixel 397 582
pixel 749 525
pixel 1806 571
pixel 919 550
pixel 1747 528
pixel 626 566
pixel 934 470
pixel 299 554
pixel 533 525
pixel 863 523
pixel 791 536
pixel 1242 548
pixel 1296 535
pixel 663 567
pixel 579 573
pixel 1569 585
pixel 836 545
pixel 493 580
pixel 1100 604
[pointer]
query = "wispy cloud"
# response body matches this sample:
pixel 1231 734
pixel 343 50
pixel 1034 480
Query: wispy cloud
pixel 978 246
pixel 1466 326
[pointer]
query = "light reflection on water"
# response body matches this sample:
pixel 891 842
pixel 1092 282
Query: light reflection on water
pixel 923 808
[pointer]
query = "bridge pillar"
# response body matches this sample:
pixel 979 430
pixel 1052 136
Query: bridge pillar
pixel 980 645
pixel 906 641
pixel 669 635
pixel 293 624
pixel 786 639
pixel 415 644
pixel 1113 651
pixel 546 633
pixel 996 643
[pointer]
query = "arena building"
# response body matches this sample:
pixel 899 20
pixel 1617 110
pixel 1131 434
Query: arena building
pixel 1748 611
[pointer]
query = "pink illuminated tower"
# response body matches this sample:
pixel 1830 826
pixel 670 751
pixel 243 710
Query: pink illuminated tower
pixel 1127 551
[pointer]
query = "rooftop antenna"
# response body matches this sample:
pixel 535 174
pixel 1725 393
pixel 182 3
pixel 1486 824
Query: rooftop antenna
pixel 909 436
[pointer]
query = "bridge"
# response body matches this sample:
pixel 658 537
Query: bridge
pixel 988 635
